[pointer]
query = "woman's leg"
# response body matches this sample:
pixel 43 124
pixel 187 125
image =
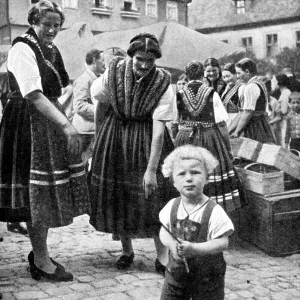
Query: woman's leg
pixel 127 248
pixel 38 238
pixel 127 256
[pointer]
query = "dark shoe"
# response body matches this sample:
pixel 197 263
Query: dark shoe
pixel 17 228
pixel 159 267
pixel 59 275
pixel 31 261
pixel 125 261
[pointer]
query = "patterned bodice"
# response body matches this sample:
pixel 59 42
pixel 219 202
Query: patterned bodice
pixel 50 64
pixel 195 103
pixel 230 99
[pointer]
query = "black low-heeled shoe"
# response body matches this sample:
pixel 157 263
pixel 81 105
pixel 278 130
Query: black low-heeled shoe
pixel 58 275
pixel 159 267
pixel 125 261
pixel 31 261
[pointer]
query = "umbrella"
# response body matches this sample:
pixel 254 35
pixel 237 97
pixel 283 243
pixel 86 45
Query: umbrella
pixel 179 44
pixel 73 44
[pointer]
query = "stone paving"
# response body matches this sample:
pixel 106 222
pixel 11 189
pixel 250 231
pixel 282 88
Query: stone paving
pixel 91 257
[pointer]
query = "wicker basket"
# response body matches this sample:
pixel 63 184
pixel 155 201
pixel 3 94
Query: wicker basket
pixel 261 179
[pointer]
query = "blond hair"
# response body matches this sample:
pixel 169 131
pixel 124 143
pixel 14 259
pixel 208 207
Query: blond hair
pixel 189 152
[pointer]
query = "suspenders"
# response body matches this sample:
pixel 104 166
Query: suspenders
pixel 204 221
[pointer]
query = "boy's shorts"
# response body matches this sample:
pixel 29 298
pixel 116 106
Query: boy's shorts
pixel 210 289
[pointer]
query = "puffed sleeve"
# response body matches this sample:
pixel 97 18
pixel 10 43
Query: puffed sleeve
pixel 165 214
pixel 99 88
pixel 219 109
pixel 219 223
pixel 166 106
pixel 251 94
pixel 21 61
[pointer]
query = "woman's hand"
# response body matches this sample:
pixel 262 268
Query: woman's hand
pixel 73 138
pixel 149 182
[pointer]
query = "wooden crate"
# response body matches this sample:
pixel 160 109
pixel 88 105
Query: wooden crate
pixel 269 154
pixel 280 158
pixel 246 148
pixel 272 222
pixel 262 183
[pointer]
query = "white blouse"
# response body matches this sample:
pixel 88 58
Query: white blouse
pixel 163 112
pixel 251 94
pixel 21 61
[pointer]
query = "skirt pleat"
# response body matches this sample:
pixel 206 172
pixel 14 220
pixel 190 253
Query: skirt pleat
pixel 120 158
pixel 259 130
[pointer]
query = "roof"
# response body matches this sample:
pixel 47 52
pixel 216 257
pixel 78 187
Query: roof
pixel 205 14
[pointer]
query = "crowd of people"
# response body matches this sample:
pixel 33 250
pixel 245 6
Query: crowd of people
pixel 101 147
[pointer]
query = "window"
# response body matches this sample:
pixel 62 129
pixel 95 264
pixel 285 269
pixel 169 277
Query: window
pixel 224 41
pixel 103 3
pixel 272 44
pixel 129 5
pixel 240 6
pixel 34 1
pixel 70 4
pixel 298 39
pixel 172 10
pixel 151 8
pixel 247 43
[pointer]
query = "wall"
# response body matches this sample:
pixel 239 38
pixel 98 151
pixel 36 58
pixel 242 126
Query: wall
pixel 286 37
pixel 18 10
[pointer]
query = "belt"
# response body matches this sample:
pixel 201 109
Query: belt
pixel 192 126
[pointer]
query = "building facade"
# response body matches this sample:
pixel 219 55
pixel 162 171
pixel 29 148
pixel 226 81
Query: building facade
pixel 102 15
pixel 264 27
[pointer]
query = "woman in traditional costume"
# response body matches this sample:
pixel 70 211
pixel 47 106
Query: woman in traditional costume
pixel 251 122
pixel 233 93
pixel 42 178
pixel 213 75
pixel 127 187
pixel 202 122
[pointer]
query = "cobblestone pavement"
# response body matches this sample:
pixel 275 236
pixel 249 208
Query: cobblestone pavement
pixel 91 257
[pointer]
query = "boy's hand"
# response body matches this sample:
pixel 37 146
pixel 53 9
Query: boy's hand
pixel 185 249
pixel 175 254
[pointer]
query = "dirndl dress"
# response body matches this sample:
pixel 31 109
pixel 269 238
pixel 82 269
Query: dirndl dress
pixel 121 154
pixel 198 126
pixel 40 181
pixel 257 128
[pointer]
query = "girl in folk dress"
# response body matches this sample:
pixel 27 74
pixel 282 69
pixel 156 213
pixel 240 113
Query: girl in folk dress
pixel 213 75
pixel 202 122
pixel 42 177
pixel 251 121
pixel 127 188
pixel 234 91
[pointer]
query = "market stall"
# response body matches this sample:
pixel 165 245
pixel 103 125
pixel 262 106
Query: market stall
pixel 270 175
